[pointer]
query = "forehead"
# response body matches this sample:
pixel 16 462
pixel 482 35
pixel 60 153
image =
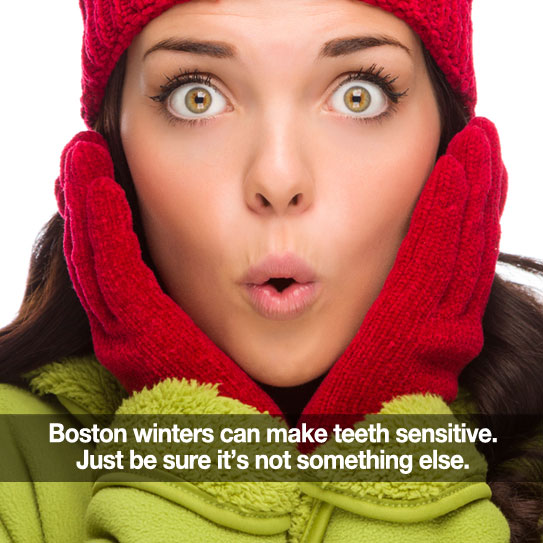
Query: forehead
pixel 285 25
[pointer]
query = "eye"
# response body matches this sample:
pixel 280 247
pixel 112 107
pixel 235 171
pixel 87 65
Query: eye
pixel 360 98
pixel 195 100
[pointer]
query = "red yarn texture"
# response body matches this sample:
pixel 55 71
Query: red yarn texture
pixel 110 26
pixel 422 330
pixel 426 324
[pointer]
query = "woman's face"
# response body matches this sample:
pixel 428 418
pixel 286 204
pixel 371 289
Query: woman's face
pixel 277 144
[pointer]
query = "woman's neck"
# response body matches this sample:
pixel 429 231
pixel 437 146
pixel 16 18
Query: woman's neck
pixel 292 400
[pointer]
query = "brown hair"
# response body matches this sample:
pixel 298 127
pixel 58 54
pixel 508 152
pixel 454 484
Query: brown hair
pixel 506 378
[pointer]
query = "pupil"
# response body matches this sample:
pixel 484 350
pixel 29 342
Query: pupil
pixel 198 100
pixel 357 99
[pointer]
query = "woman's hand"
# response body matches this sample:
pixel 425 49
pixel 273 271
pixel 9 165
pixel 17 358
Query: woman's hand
pixel 139 333
pixel 426 324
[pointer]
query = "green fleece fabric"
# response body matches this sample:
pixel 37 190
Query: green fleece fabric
pixel 36 511
pixel 473 523
pixel 178 511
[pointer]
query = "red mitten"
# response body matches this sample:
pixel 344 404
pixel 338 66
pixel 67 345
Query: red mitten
pixel 139 333
pixel 426 324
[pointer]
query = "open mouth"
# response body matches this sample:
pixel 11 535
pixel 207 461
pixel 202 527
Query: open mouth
pixel 281 287
pixel 280 283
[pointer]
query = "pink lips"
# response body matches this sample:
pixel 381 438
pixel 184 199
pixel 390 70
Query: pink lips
pixel 281 287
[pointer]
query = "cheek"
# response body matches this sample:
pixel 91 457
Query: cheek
pixel 378 175
pixel 378 172
pixel 178 174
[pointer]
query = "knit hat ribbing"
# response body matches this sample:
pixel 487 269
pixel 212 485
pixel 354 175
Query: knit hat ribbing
pixel 110 26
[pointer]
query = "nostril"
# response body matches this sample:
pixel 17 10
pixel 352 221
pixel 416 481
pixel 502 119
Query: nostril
pixel 280 283
pixel 295 199
pixel 263 200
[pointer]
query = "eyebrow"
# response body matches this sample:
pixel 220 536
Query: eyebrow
pixel 331 49
pixel 345 46
pixel 205 48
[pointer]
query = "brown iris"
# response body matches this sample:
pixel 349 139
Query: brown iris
pixel 198 100
pixel 357 99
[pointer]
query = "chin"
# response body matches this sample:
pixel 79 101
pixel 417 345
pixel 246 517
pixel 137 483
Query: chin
pixel 284 376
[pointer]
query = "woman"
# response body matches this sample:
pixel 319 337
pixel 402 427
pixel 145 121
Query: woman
pixel 283 237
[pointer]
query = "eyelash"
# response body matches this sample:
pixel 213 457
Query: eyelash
pixel 173 83
pixel 384 82
pixel 371 75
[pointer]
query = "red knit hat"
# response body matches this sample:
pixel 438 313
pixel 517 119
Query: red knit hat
pixel 110 26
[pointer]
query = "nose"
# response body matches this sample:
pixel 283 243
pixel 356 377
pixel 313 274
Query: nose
pixel 278 179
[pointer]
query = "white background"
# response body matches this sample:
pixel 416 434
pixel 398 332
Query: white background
pixel 39 109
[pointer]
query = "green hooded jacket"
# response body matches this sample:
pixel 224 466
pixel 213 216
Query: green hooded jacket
pixel 176 511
